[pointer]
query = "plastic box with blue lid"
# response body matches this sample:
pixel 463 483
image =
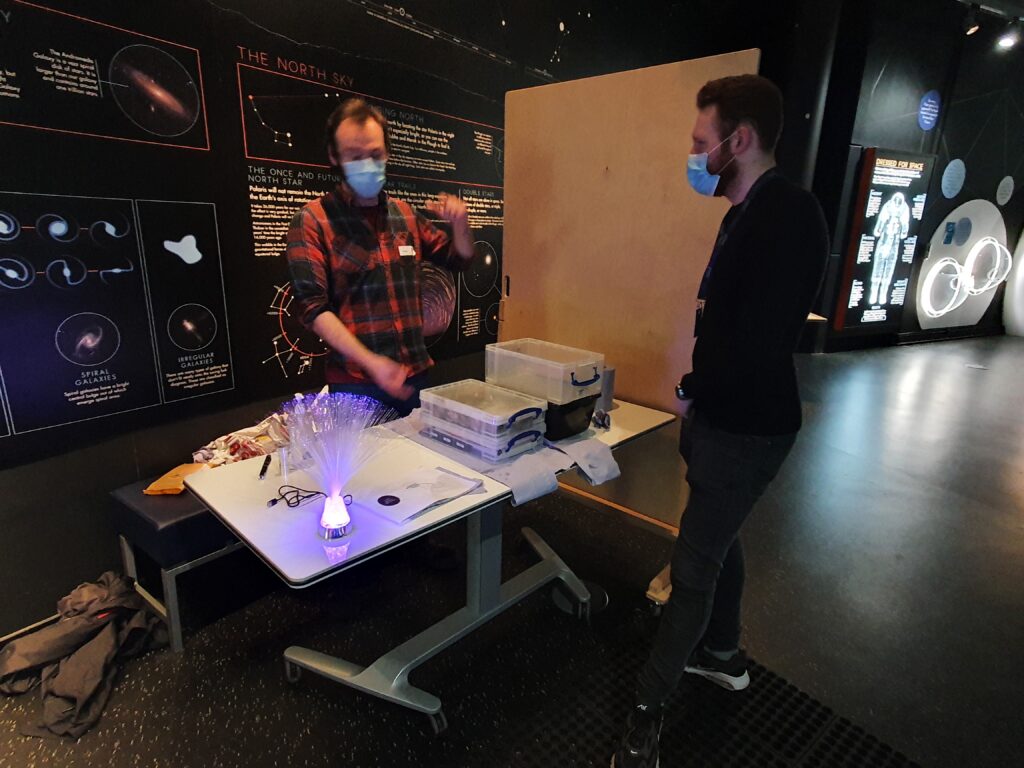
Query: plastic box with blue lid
pixel 485 409
pixel 552 372
pixel 489 447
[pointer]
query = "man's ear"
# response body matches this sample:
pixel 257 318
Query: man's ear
pixel 746 138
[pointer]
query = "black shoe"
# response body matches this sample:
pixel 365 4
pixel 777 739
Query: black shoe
pixel 731 675
pixel 639 746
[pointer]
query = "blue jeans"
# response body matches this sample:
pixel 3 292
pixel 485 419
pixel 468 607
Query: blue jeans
pixel 402 407
pixel 727 474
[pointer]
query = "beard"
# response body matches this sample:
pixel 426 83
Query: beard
pixel 728 170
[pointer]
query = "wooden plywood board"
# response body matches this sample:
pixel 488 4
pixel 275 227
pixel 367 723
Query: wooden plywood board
pixel 604 242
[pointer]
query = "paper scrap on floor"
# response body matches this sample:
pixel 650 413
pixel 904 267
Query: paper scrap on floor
pixel 417 492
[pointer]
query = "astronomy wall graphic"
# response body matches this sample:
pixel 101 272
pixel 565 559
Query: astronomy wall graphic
pixel 159 152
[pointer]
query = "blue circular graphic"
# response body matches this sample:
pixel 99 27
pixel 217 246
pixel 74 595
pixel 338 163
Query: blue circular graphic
pixel 964 227
pixel 953 178
pixel 928 111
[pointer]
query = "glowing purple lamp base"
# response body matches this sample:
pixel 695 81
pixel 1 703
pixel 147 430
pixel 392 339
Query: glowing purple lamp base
pixel 335 521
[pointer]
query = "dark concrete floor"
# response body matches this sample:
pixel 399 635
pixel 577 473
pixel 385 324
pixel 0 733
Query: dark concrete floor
pixel 885 563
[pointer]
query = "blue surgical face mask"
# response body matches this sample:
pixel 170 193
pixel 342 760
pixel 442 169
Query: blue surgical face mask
pixel 703 181
pixel 366 177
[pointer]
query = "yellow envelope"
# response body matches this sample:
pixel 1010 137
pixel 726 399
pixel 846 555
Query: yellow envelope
pixel 173 481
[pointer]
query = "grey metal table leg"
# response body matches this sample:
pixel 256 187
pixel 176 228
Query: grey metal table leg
pixel 170 584
pixel 577 589
pixel 127 558
pixel 388 677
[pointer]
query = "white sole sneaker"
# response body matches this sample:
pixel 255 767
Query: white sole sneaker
pixel 721 679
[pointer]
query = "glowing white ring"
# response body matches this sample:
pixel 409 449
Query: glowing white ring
pixel 959 297
pixel 995 275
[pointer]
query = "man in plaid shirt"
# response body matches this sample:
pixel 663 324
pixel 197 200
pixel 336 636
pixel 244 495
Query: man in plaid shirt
pixel 353 256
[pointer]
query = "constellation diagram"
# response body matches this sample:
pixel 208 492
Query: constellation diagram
pixel 279 137
pixel 295 348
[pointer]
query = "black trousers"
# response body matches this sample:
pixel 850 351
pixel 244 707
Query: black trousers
pixel 727 474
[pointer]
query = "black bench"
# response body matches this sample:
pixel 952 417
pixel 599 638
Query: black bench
pixel 177 532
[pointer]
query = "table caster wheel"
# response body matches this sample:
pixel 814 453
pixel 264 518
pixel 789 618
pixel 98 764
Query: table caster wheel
pixel 292 672
pixel 567 602
pixel 438 722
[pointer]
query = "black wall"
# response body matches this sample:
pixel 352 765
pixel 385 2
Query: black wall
pixel 888 56
pixel 54 523
pixel 984 127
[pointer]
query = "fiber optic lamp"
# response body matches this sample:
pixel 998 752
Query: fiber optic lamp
pixel 335 521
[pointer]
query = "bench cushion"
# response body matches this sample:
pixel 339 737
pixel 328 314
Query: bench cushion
pixel 170 529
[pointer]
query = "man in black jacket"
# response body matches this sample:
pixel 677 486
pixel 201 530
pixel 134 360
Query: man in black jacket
pixel 742 398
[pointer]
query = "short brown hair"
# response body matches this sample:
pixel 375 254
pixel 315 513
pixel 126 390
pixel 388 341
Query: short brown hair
pixel 748 99
pixel 359 110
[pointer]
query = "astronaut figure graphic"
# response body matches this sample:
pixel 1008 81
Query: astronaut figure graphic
pixel 891 230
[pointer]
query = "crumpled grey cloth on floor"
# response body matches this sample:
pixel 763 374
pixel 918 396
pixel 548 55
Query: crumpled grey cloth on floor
pixel 75 661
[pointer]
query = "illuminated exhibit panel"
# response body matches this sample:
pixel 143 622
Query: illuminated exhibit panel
pixel 883 240
pixel 967 261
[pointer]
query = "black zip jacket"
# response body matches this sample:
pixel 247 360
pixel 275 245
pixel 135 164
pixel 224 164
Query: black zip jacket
pixel 764 280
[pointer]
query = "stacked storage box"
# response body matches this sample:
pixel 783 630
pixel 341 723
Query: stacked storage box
pixel 568 379
pixel 482 419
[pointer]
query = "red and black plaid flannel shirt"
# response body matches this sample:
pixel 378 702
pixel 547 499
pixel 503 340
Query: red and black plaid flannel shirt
pixel 370 277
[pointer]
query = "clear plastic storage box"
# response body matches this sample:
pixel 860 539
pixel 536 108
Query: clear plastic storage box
pixel 490 448
pixel 549 371
pixel 481 408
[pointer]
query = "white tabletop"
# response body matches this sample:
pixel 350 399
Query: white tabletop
pixel 287 539
pixel 629 422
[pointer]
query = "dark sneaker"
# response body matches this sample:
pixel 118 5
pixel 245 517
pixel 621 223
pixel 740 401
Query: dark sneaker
pixel 639 747
pixel 731 675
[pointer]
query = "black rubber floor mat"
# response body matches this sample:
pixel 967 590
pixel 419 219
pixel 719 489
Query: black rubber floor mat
pixel 534 688
pixel 772 724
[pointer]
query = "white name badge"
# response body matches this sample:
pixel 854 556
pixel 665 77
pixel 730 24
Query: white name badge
pixel 406 250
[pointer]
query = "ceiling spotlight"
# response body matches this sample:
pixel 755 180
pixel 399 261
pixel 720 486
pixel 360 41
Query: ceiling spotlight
pixel 1009 39
pixel 971 24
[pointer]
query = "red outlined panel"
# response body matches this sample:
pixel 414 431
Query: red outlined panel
pixel 283 117
pixel 62 73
